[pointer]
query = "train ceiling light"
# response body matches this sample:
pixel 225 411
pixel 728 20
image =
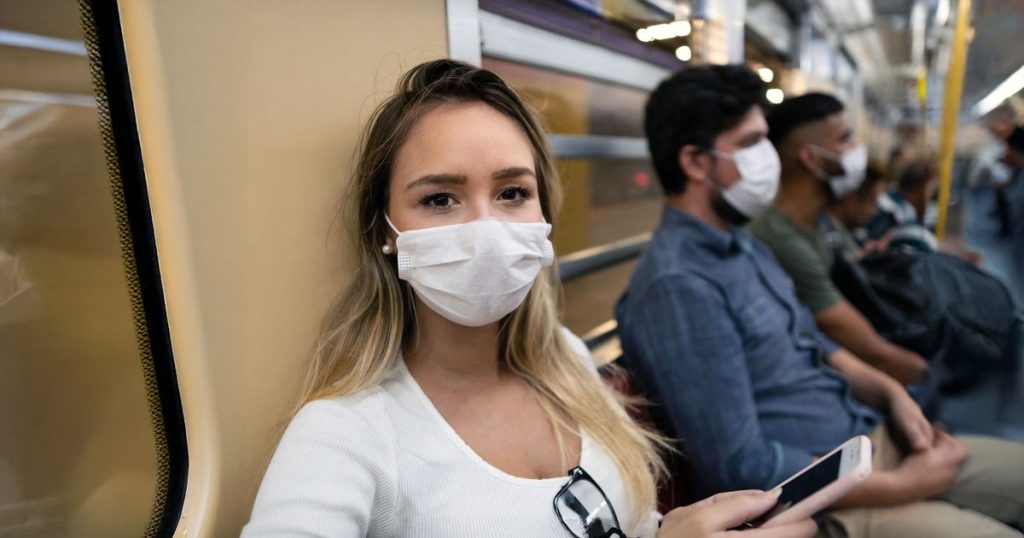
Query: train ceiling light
pixel 661 32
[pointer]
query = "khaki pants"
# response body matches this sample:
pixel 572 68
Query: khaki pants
pixel 988 493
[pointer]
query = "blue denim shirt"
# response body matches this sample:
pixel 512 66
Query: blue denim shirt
pixel 714 335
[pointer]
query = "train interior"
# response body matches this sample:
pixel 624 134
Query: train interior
pixel 171 173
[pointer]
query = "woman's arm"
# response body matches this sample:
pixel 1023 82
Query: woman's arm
pixel 329 476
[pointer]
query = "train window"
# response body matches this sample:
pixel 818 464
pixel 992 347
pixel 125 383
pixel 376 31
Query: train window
pixel 91 436
pixel 607 198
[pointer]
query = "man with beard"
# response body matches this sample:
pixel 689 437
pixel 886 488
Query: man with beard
pixel 821 163
pixel 714 336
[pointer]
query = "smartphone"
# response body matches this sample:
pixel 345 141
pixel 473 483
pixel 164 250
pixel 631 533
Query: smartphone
pixel 821 483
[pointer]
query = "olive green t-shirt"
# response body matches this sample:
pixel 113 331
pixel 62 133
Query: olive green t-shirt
pixel 804 255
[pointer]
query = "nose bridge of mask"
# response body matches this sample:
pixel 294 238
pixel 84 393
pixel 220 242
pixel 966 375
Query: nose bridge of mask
pixel 484 238
pixel 758 160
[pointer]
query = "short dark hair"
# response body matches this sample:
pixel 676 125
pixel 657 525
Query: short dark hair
pixel 917 174
pixel 694 106
pixel 794 113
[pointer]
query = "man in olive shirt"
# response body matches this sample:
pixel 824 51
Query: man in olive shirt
pixel 822 162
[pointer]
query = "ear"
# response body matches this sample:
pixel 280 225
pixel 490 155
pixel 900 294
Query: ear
pixel 806 158
pixel 695 162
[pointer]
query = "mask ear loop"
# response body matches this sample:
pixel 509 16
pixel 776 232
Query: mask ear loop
pixel 818 171
pixel 709 181
pixel 826 153
pixel 391 224
pixel 388 248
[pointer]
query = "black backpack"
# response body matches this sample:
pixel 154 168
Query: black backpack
pixel 939 306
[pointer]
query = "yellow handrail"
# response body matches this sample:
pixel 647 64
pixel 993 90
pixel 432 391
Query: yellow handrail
pixel 951 110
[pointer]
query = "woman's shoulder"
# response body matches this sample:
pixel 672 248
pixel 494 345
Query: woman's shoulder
pixel 333 473
pixel 579 348
pixel 353 417
pixel 340 430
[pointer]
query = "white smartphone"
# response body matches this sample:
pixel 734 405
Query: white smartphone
pixel 821 483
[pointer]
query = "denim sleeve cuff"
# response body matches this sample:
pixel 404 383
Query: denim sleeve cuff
pixel 827 345
pixel 787 462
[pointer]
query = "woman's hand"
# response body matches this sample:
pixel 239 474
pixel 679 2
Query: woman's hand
pixel 714 516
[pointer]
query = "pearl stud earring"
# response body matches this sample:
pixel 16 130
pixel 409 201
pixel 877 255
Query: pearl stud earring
pixel 387 248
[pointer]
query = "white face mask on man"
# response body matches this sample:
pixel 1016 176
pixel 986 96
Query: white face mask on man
pixel 476 272
pixel 855 165
pixel 759 169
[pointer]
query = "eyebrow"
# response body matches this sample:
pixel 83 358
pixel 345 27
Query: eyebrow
pixel 459 179
pixel 438 179
pixel 509 173
pixel 750 139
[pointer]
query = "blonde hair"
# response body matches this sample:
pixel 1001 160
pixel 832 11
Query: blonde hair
pixel 373 318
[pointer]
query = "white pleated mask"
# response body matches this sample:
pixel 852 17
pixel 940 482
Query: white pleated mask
pixel 855 164
pixel 759 169
pixel 477 272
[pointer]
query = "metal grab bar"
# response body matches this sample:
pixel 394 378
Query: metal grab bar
pixel 599 147
pixel 602 340
pixel 591 260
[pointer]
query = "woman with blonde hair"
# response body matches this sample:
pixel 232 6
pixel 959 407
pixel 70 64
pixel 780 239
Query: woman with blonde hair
pixel 444 398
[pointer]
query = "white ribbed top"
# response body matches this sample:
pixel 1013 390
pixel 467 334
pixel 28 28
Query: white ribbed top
pixel 384 462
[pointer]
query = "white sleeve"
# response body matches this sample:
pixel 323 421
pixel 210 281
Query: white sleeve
pixel 333 474
pixel 580 348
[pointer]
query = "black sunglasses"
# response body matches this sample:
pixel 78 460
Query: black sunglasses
pixel 584 509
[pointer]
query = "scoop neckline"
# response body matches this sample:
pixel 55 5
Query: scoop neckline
pixel 468 450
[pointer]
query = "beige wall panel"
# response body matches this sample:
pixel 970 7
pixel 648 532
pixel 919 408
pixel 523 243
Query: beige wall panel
pixel 249 111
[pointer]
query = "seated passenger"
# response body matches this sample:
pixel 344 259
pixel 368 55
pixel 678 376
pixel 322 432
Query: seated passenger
pixel 821 162
pixel 714 335
pixel 900 221
pixel 1004 124
pixel 857 210
pixel 444 397
pixel 900 217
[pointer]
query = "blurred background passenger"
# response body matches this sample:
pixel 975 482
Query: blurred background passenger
pixel 901 211
pixel 900 221
pixel 853 212
pixel 1003 122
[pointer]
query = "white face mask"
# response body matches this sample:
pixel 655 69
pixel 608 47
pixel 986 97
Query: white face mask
pixel 477 272
pixel 855 165
pixel 759 169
